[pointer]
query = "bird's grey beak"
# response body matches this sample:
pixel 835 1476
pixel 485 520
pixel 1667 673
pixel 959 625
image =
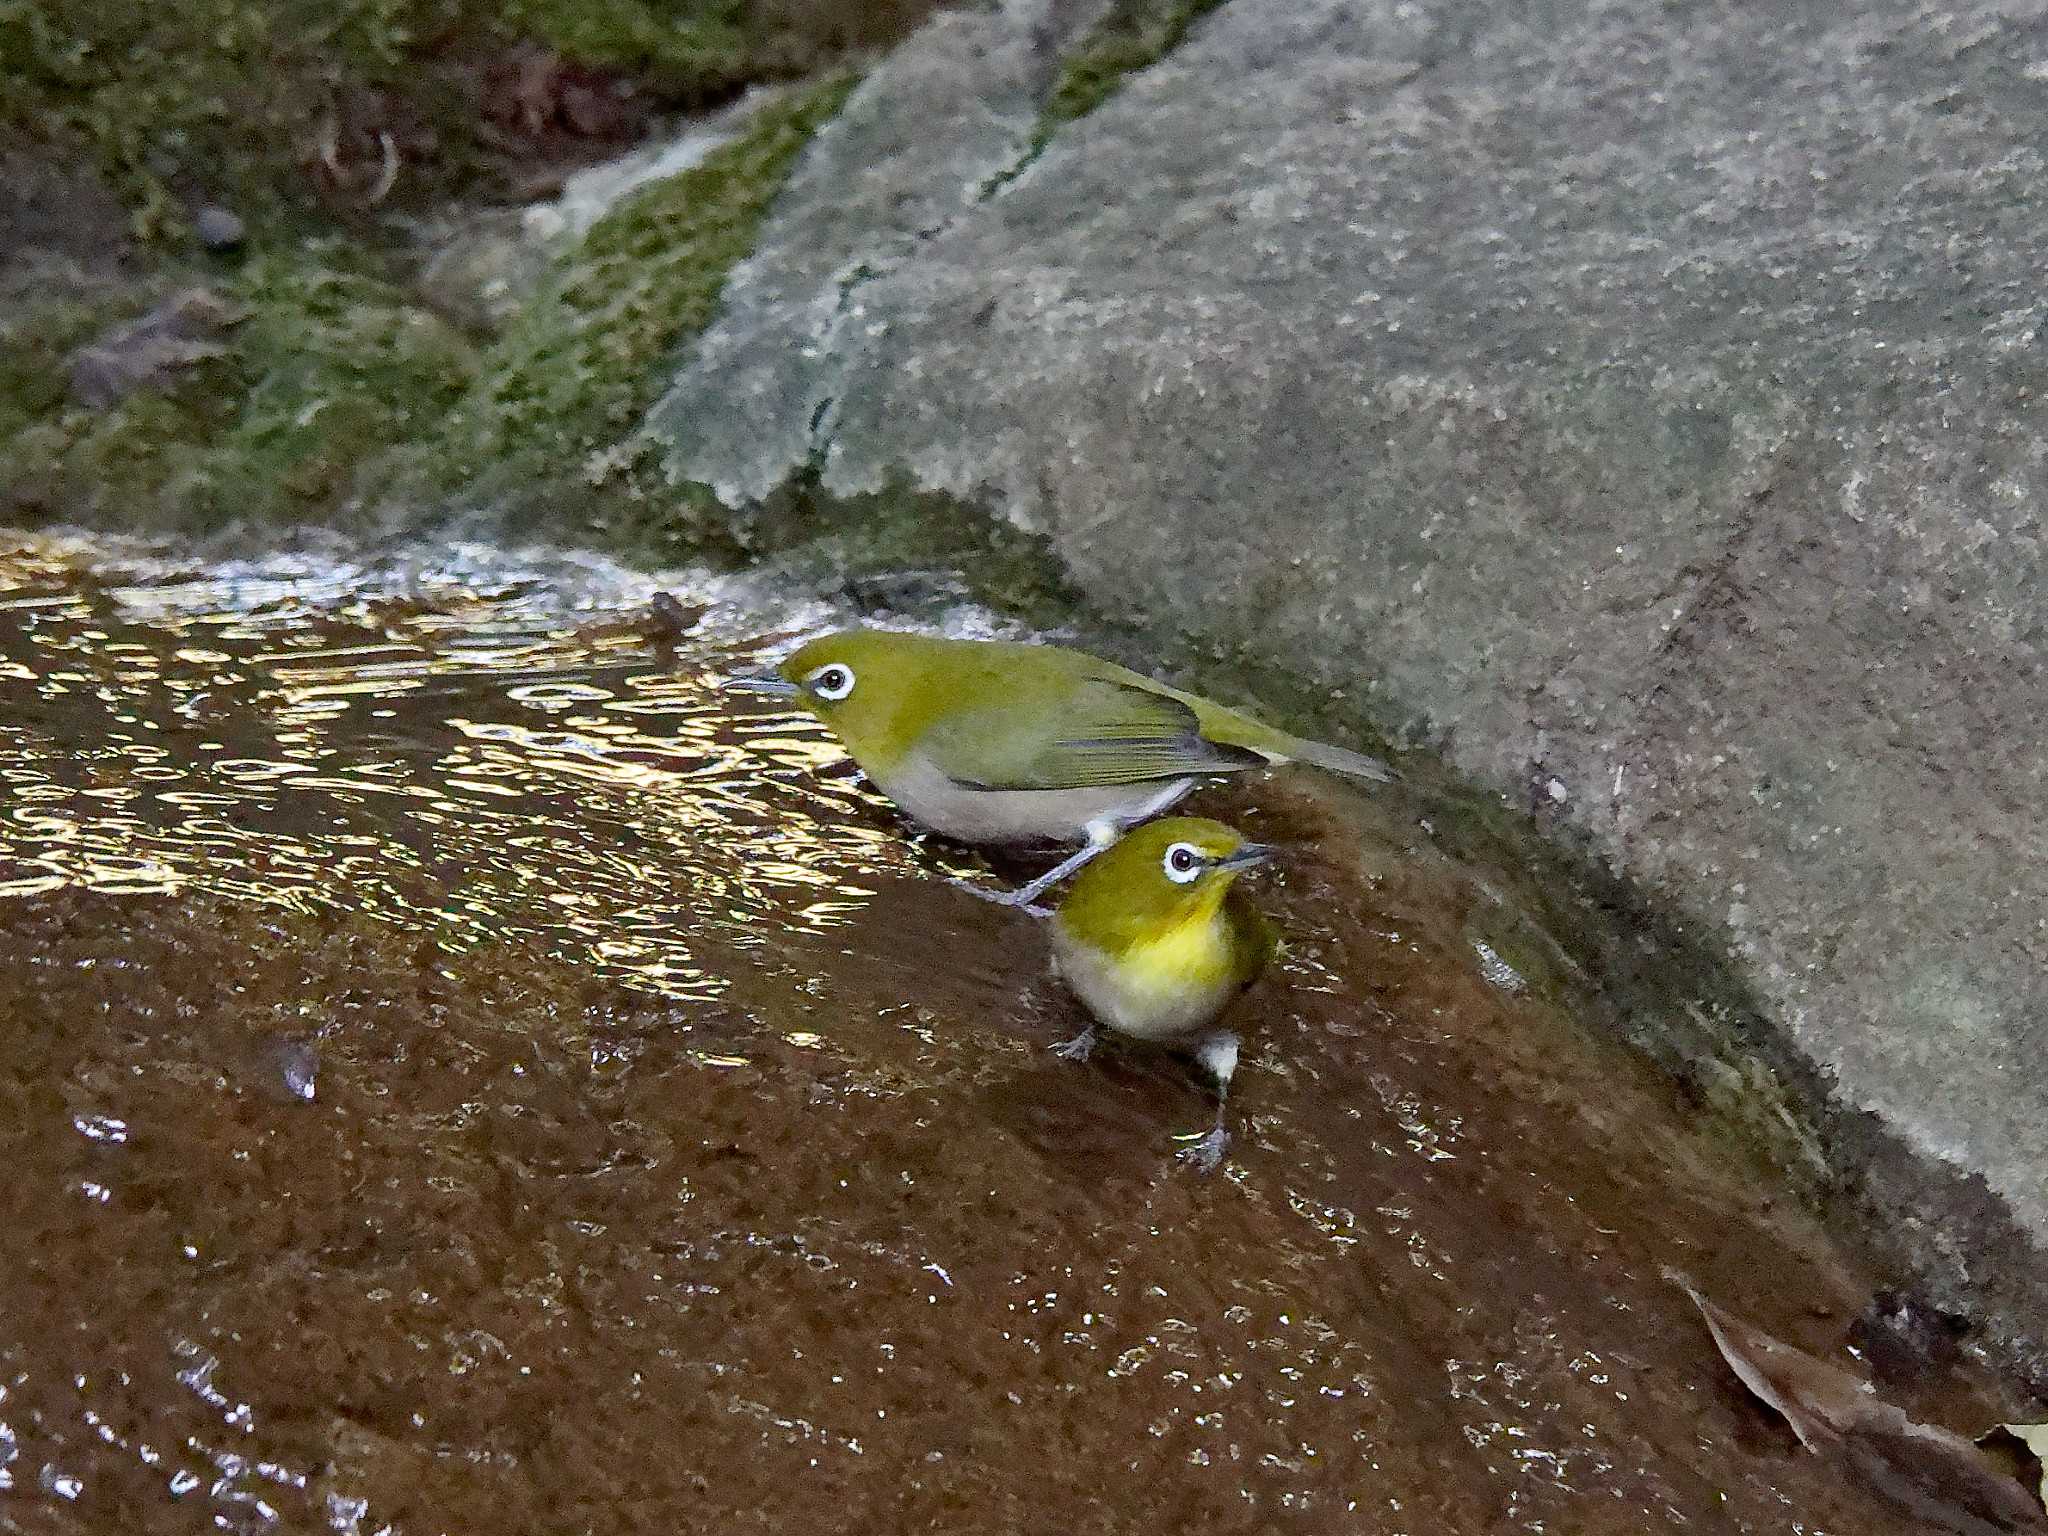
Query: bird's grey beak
pixel 1247 856
pixel 759 682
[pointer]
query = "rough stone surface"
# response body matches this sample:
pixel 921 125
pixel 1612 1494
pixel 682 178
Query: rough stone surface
pixel 1645 400
pixel 910 156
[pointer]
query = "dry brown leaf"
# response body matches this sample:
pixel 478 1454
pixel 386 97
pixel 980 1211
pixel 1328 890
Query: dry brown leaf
pixel 2034 1437
pixel 1941 1477
pixel 147 353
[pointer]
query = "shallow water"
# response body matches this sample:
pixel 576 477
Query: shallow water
pixel 463 1072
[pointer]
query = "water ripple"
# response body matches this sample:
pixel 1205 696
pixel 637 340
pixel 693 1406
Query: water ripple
pixel 480 743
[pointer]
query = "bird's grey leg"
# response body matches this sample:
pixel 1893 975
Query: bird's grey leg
pixel 1024 896
pixel 1218 1055
pixel 1100 835
pixel 1017 899
pixel 1077 1049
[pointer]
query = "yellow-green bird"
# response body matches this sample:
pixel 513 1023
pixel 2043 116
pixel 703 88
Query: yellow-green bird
pixel 1156 940
pixel 991 741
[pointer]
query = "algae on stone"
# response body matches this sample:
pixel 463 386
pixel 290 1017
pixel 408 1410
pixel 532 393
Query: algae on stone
pixel 559 400
pixel 328 366
pixel 810 538
pixel 183 101
pixel 1133 35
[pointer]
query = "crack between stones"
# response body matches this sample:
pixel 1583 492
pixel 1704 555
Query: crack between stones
pixel 818 430
pixel 822 425
pixel 821 428
pixel 872 268
pixel 994 184
pixel 1715 593
pixel 1712 580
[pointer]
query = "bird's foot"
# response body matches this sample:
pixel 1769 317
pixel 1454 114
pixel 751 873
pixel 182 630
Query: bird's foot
pixel 1206 1154
pixel 1015 899
pixel 1078 1048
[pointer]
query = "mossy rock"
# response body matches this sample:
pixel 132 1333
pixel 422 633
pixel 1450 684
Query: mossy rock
pixel 333 367
pixel 327 367
pixel 36 337
pixel 1133 35
pixel 557 408
pixel 285 108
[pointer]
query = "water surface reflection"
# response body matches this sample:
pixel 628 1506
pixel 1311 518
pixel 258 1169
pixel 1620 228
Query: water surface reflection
pixel 472 753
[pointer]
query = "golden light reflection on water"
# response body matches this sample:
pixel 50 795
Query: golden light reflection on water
pixel 473 754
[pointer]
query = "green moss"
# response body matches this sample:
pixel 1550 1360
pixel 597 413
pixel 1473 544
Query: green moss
pixel 329 366
pixel 116 466
pixel 332 367
pixel 36 338
pixel 181 100
pixel 558 407
pixel 1135 34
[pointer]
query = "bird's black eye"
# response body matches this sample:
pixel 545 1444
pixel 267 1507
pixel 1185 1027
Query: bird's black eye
pixel 832 682
pixel 1183 863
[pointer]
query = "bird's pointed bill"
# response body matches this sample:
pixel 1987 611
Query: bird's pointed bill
pixel 1247 855
pixel 759 682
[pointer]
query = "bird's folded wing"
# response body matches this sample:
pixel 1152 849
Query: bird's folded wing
pixel 1106 732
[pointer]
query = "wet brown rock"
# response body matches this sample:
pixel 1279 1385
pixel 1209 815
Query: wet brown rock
pixel 686 1151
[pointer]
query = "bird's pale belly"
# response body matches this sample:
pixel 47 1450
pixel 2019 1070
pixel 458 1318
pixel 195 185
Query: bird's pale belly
pixel 1158 995
pixel 1021 815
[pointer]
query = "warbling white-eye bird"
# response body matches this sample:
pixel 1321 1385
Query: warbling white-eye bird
pixel 992 741
pixel 1156 940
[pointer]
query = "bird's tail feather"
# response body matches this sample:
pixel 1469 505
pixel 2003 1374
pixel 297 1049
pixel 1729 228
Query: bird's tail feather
pixel 1338 760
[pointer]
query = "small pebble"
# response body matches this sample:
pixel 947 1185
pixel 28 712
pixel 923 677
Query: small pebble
pixel 218 229
pixel 298 1068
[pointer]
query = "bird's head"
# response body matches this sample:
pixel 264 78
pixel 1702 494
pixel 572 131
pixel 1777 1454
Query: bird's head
pixel 1157 876
pixel 864 683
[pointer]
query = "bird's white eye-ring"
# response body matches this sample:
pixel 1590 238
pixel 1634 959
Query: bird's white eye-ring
pixel 833 681
pixel 1183 862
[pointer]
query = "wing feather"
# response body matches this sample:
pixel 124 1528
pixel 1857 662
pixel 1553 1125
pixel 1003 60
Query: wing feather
pixel 1107 732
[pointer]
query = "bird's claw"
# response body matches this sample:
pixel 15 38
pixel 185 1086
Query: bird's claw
pixel 1012 899
pixel 1078 1048
pixel 1206 1154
